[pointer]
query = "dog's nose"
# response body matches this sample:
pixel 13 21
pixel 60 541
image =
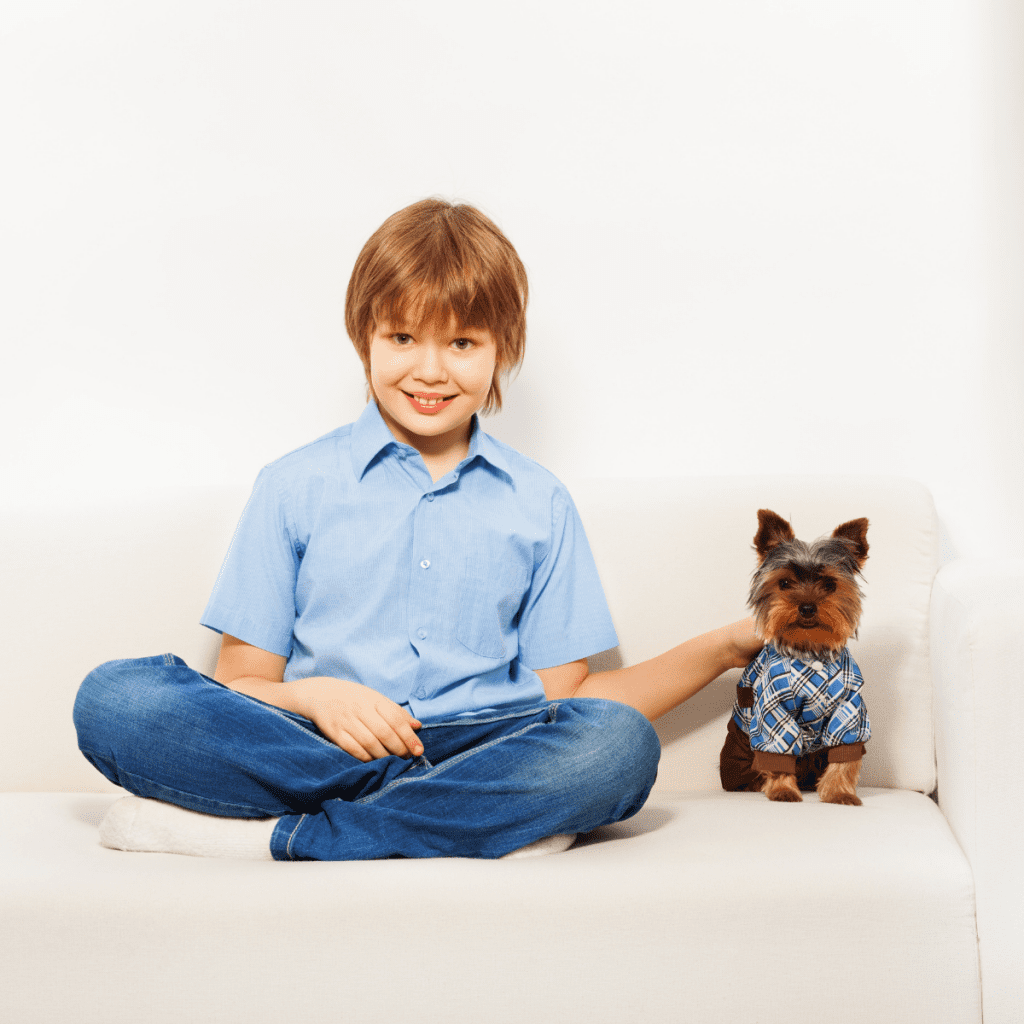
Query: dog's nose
pixel 807 610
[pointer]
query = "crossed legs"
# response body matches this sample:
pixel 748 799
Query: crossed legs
pixel 486 784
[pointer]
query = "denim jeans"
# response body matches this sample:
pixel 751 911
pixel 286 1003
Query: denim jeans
pixel 485 785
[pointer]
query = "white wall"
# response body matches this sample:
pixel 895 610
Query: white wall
pixel 760 234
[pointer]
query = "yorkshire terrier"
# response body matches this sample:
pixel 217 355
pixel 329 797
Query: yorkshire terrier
pixel 799 722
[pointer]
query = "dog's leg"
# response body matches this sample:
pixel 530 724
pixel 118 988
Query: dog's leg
pixel 839 783
pixel 781 786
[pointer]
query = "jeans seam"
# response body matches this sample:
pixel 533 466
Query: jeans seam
pixel 291 837
pixel 468 721
pixel 319 737
pixel 309 732
pixel 445 765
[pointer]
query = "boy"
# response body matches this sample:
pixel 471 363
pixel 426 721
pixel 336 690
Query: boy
pixel 406 609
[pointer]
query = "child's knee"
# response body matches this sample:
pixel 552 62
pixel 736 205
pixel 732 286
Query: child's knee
pixel 618 752
pixel 95 703
pixel 114 698
pixel 633 741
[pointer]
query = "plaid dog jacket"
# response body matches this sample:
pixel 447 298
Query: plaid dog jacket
pixel 790 707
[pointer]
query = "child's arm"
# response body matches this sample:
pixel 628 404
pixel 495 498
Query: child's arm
pixel 658 685
pixel 361 721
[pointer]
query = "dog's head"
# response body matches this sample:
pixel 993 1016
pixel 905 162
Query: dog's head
pixel 805 597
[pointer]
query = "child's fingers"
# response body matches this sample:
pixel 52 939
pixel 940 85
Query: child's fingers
pixel 370 735
pixel 357 750
pixel 363 722
pixel 397 731
pixel 371 740
pixel 346 740
pixel 359 740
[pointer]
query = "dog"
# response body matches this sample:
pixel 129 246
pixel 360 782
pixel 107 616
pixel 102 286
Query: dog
pixel 799 722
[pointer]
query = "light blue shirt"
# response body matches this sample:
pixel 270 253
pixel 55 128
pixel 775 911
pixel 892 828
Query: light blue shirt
pixel 351 562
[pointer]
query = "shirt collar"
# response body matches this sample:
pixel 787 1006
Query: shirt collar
pixel 773 654
pixel 371 436
pixel 484 446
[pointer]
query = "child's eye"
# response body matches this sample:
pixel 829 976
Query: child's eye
pixel 463 344
pixel 401 339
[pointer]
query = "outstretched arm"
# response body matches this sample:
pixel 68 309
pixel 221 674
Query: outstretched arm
pixel 656 686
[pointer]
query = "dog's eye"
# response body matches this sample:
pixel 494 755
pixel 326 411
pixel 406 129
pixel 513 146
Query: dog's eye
pixel 784 584
pixel 829 585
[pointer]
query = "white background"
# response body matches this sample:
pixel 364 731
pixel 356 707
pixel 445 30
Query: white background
pixel 762 237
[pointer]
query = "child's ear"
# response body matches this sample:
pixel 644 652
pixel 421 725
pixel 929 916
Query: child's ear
pixel 856 532
pixel 772 530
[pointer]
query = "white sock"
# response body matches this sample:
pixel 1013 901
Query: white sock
pixel 152 826
pixel 550 844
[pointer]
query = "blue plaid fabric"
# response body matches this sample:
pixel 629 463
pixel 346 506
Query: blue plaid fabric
pixel 802 707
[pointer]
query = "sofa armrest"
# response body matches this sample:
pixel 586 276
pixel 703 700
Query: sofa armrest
pixel 977 648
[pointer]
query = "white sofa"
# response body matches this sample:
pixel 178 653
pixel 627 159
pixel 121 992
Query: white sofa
pixel 705 907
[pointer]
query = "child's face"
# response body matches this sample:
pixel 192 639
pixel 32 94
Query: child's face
pixel 429 379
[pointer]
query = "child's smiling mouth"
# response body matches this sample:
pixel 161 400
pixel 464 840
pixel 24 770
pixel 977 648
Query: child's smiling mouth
pixel 429 402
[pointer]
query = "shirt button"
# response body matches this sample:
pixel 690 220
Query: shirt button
pixel 817 666
pixel 425 564
pixel 421 633
pixel 421 693
pixel 430 496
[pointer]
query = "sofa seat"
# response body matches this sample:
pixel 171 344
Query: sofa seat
pixel 724 888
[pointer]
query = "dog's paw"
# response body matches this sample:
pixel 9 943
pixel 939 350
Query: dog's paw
pixel 839 784
pixel 782 787
pixel 849 799
pixel 785 796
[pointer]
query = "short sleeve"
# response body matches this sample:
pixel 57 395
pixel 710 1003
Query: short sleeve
pixel 254 596
pixel 564 615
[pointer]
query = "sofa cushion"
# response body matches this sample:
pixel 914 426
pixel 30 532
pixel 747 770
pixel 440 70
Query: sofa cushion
pixel 699 908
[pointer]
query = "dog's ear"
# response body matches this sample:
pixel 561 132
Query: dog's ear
pixel 772 530
pixel 856 532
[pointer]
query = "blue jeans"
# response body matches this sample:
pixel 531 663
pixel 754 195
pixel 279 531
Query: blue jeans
pixel 485 785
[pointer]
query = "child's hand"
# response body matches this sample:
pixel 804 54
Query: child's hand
pixel 744 645
pixel 363 722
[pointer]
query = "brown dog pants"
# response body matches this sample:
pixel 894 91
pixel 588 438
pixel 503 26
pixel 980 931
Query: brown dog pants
pixel 738 771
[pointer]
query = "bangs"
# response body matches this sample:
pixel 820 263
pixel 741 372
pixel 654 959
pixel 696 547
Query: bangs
pixel 433 302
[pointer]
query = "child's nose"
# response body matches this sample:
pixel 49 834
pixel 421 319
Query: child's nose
pixel 431 365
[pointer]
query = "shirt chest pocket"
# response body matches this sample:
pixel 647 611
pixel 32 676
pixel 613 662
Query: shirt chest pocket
pixel 495 579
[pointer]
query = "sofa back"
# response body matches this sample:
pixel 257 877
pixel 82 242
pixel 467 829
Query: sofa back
pixel 89 582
